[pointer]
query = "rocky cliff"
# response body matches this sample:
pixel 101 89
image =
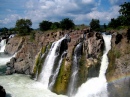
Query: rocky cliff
pixel 30 55
pixel 119 65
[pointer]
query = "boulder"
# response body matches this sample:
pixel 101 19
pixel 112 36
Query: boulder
pixel 2 92
pixel 13 45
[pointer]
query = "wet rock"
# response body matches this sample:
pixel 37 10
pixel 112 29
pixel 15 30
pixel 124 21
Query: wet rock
pixel 2 92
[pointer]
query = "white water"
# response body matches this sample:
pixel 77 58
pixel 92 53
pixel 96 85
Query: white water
pixel 18 85
pixel 3 58
pixel 73 80
pixel 97 87
pixel 55 74
pixel 48 65
pixel 2 45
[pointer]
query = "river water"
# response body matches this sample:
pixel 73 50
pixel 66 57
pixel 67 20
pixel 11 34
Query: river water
pixel 19 85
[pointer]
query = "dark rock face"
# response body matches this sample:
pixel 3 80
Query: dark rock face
pixel 118 38
pixel 128 34
pixel 2 92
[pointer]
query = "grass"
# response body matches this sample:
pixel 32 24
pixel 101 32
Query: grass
pixel 62 80
pixel 111 65
pixel 117 53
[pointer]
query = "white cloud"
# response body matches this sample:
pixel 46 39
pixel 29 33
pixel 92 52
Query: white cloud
pixel 81 11
pixel 104 16
pixel 118 2
pixel 55 10
pixel 10 18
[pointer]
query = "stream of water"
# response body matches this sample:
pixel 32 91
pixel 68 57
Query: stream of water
pixel 97 87
pixel 18 85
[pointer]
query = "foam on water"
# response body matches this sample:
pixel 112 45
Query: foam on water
pixel 97 87
pixel 18 85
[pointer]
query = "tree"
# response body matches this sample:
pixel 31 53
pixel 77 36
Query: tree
pixel 45 25
pixel 125 13
pixel 94 24
pixel 23 26
pixel 4 31
pixel 115 23
pixel 66 24
pixel 55 25
pixel 104 26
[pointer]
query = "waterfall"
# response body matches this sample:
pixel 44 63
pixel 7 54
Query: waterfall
pixel 104 62
pixel 48 64
pixel 74 76
pixel 20 85
pixel 56 72
pixel 97 87
pixel 3 57
pixel 2 45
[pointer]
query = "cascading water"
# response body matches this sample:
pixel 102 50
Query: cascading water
pixel 19 85
pixel 2 45
pixel 4 58
pixel 48 64
pixel 73 80
pixel 97 87
pixel 56 72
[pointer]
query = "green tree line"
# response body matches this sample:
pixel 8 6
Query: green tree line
pixel 23 26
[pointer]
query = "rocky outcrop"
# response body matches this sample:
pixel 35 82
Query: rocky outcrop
pixel 89 62
pixel 119 65
pixel 14 44
pixel 2 92
pixel 26 51
pixel 119 57
pixel 94 46
pixel 32 53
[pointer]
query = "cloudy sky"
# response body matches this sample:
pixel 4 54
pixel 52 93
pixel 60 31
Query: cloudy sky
pixel 80 11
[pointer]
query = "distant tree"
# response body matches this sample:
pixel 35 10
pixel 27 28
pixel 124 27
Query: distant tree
pixel 67 24
pixel 55 25
pixel 114 23
pixel 125 12
pixel 23 26
pixel 104 26
pixel 5 30
pixel 45 25
pixel 95 24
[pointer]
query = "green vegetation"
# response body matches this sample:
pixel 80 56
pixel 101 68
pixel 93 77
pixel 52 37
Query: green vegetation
pixel 67 24
pixel 39 61
pixel 32 36
pixel 83 70
pixel 111 65
pixel 95 24
pixel 64 24
pixel 45 25
pixel 117 53
pixel 61 84
pixel 123 19
pixel 23 26
pixel 125 13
